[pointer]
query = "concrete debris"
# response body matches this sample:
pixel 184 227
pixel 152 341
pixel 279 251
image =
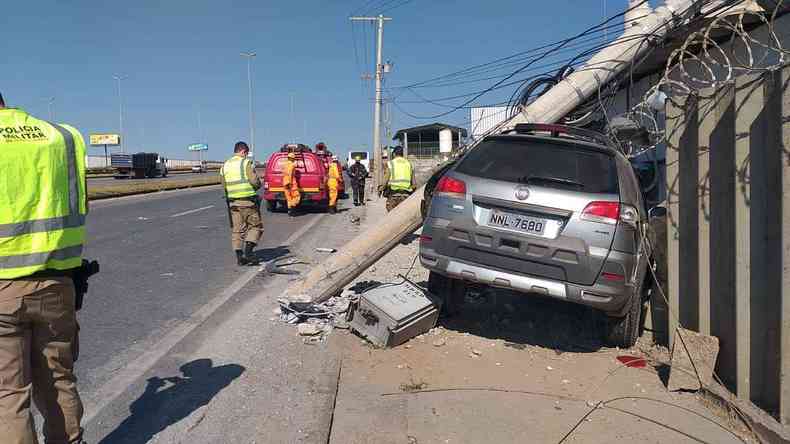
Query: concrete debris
pixel 315 321
pixel 548 367
pixel 309 329
pixel 439 342
pixel 693 359
pixel 476 352
pixel 325 250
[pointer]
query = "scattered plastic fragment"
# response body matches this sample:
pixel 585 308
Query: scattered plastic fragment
pixel 632 361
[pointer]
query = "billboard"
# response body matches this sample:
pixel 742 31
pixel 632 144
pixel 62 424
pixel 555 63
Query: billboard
pixel 105 139
pixel 198 147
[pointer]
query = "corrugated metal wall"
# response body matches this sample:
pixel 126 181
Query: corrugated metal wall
pixel 728 230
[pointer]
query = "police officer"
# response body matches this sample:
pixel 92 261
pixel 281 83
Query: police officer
pixel 358 173
pixel 241 184
pixel 42 232
pixel 399 179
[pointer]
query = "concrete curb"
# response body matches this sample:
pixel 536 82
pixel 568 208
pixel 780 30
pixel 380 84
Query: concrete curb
pixel 767 429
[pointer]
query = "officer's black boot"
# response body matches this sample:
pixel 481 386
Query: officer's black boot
pixel 249 256
pixel 240 259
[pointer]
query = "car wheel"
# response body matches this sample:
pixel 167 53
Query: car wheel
pixel 271 206
pixel 452 292
pixel 624 331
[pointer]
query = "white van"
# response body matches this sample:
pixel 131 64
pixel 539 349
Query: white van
pixel 363 158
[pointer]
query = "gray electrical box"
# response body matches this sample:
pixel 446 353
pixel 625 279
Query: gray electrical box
pixel 390 315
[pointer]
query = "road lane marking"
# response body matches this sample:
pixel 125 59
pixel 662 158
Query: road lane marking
pixel 134 370
pixel 193 211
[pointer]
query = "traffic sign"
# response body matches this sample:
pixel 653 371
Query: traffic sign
pixel 198 147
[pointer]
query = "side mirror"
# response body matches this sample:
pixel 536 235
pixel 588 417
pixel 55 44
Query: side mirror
pixel 657 212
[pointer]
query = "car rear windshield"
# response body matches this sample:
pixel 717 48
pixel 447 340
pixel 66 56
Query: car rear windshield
pixel 542 163
pixel 303 163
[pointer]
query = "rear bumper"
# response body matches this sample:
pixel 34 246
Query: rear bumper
pixel 305 195
pixel 606 298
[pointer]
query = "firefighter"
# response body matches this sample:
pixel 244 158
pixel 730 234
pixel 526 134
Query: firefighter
pixel 241 184
pixel 291 184
pixel 42 232
pixel 333 182
pixel 399 179
pixel 358 174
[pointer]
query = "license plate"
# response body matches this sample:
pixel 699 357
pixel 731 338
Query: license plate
pixel 517 222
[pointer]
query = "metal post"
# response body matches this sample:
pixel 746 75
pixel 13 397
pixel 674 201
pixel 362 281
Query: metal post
pixel 120 77
pixel 106 159
pixel 377 159
pixel 50 101
pixel 249 56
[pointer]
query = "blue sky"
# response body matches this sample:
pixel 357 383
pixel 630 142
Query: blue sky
pixel 182 57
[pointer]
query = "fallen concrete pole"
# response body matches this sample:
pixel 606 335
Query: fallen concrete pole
pixel 331 275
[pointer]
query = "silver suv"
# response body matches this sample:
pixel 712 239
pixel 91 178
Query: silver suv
pixel 547 210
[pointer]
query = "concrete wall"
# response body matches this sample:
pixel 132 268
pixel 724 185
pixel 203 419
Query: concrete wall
pixel 728 230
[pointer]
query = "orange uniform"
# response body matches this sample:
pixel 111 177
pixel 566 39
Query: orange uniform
pixel 291 184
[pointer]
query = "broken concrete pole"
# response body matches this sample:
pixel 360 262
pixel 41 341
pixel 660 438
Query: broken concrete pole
pixel 330 276
pixel 692 354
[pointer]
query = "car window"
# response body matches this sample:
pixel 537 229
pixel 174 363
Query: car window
pixel 306 163
pixel 542 163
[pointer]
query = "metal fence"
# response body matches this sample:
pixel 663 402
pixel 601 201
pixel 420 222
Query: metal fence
pixel 425 150
pixel 728 230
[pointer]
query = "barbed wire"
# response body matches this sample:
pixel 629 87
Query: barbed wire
pixel 704 62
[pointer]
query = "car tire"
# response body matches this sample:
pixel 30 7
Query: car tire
pixel 624 331
pixel 271 206
pixel 451 292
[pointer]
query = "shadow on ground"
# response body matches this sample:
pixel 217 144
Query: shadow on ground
pixel 523 320
pixel 169 400
pixel 268 254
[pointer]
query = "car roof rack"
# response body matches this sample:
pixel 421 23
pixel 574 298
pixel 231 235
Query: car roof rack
pixel 557 129
pixel 295 148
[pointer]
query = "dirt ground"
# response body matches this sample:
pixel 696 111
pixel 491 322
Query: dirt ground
pixel 510 368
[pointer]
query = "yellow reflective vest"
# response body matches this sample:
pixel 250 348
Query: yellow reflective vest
pixel 42 195
pixel 400 174
pixel 237 184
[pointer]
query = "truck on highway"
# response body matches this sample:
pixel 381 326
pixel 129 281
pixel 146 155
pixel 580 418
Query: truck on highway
pixel 138 166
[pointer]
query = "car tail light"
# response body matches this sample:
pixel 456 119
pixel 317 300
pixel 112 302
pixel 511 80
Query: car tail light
pixel 450 187
pixel 612 276
pixel 602 211
pixel 425 239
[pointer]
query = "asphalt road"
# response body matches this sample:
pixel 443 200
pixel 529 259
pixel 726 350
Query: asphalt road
pixel 162 257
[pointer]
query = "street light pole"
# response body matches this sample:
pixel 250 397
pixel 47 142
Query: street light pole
pixel 120 77
pixel 50 101
pixel 249 56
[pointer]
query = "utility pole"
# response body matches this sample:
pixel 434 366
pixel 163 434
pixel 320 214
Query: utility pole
pixel 377 105
pixel 120 77
pixel 249 56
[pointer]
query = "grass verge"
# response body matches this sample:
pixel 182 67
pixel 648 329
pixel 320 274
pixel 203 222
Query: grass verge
pixel 128 188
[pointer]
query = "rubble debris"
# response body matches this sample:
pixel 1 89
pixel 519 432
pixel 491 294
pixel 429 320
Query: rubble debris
pixel 693 359
pixel 439 342
pixel 306 329
pixel 363 286
pixel 390 314
pixel 325 250
pixel 476 352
